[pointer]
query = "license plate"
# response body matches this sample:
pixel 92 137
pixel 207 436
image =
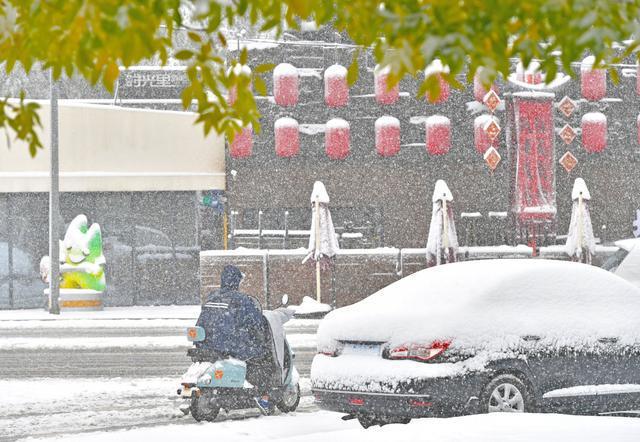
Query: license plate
pixel 361 349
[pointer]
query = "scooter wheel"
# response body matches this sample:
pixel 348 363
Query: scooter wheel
pixel 290 400
pixel 201 410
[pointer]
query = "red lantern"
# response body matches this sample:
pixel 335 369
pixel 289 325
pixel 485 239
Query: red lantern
pixel 438 137
pixel 530 75
pixel 285 85
pixel 437 69
pixel 481 138
pixel 594 132
pixel 383 94
pixel 242 144
pixel 479 91
pixel 387 136
pixel 593 82
pixel 336 139
pixel 287 137
pixel 336 89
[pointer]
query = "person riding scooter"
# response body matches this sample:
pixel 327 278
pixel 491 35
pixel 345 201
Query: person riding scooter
pixel 235 327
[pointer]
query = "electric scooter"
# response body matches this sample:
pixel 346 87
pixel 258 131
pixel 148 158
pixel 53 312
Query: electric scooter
pixel 213 382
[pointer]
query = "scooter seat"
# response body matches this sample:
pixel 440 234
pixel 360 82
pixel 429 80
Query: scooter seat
pixel 204 355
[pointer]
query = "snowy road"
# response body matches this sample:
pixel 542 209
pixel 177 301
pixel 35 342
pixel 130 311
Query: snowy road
pixel 59 379
pixel 117 351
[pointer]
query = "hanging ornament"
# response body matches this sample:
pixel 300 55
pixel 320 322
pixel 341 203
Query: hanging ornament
pixel 568 161
pixel 567 106
pixel 491 100
pixel 568 134
pixel 492 158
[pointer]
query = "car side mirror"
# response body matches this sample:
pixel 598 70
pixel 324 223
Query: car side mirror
pixel 285 300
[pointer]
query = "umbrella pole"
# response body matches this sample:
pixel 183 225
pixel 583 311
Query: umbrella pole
pixel 317 233
pixel 445 238
pixel 580 252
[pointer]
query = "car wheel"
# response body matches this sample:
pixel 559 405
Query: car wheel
pixel 290 399
pixel 506 393
pixel 201 410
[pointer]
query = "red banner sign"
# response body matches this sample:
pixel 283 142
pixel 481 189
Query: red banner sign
pixel 535 195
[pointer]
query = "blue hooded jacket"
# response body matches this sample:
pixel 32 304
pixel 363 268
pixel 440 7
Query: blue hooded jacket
pixel 233 322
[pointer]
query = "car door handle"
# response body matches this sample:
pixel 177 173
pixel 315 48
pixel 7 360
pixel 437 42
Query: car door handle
pixel 531 338
pixel 608 340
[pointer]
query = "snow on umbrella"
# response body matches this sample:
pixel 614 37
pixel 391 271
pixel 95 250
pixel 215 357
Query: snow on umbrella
pixel 442 242
pixel 323 244
pixel 581 244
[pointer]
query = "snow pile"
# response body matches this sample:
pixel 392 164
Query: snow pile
pixel 335 71
pixel 594 118
pixel 285 122
pixel 310 306
pixel 436 67
pixel 437 120
pixel 490 305
pixel 319 194
pixel 387 121
pixel 241 69
pixel 337 123
pixel 285 70
pixel 323 425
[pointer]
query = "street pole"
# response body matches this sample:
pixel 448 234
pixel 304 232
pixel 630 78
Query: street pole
pixel 54 206
pixel 317 251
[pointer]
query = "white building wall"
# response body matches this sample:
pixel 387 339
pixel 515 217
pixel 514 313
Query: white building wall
pixel 109 148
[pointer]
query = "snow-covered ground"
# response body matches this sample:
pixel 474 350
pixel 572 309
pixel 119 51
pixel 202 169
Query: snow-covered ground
pixel 322 426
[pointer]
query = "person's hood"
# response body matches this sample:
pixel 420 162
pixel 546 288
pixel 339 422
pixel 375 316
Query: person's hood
pixel 231 278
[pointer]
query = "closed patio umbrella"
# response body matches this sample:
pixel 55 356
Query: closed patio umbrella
pixel 323 244
pixel 581 244
pixel 442 242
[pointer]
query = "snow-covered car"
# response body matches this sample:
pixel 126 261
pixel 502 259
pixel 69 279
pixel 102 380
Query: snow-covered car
pixel 484 336
pixel 626 261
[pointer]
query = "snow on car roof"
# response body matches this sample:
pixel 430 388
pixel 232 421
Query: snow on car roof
pixel 482 303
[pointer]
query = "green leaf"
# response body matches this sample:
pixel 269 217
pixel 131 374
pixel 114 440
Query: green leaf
pixel 111 74
pixel 260 85
pixel 223 39
pixel 194 36
pixel 244 55
pixel 352 72
pixel 264 67
pixel 187 97
pixel 184 54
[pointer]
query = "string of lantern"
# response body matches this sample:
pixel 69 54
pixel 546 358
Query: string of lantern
pixel 286 82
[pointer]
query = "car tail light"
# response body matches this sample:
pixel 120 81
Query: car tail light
pixel 332 353
pixel 419 352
